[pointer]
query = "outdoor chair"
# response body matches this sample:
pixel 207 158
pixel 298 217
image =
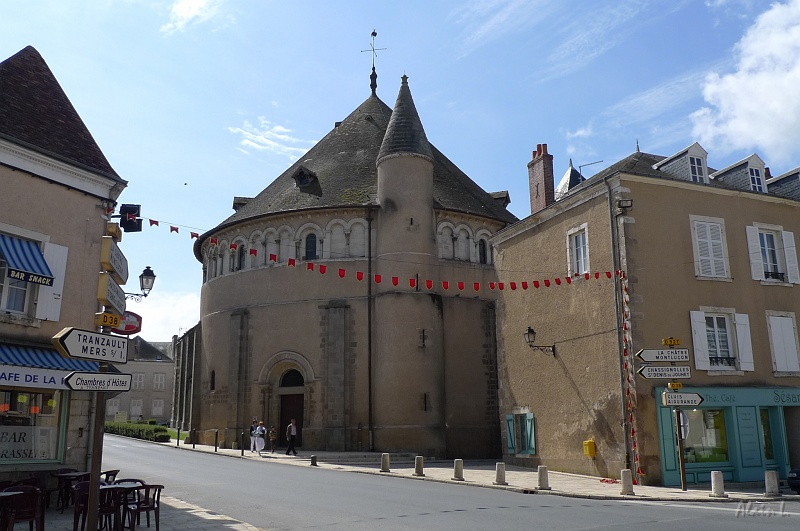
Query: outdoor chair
pixel 28 507
pixel 110 510
pixel 148 501
pixel 80 504
pixel 109 476
pixel 62 488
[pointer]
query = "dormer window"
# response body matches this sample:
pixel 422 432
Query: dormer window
pixel 756 180
pixel 697 169
pixel 304 178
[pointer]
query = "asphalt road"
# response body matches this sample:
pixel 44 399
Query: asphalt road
pixel 280 496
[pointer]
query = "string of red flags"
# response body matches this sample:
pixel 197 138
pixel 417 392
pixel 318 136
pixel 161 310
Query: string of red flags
pixel 156 223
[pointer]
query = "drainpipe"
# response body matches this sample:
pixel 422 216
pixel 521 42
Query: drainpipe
pixel 369 329
pixel 617 303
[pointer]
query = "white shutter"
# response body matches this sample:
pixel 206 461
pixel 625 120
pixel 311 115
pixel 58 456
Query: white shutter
pixel 703 249
pixel 743 343
pixel 784 344
pixel 48 301
pixel 754 250
pixel 700 341
pixel 790 254
pixel 717 250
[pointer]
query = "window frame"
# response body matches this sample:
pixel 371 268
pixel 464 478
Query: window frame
pixel 697 170
pixel 786 270
pixel 573 260
pixel 699 259
pixel 521 428
pixel 137 381
pixel 159 381
pixel 738 339
pixel 757 183
pixel 783 342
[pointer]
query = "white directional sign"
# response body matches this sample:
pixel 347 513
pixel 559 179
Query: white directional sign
pixel 665 371
pixel 681 399
pixel 663 354
pixel 76 343
pixel 98 381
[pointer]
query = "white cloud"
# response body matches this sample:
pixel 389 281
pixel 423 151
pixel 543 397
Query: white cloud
pixel 758 105
pixel 165 314
pixel 271 138
pixel 582 132
pixel 487 20
pixel 186 12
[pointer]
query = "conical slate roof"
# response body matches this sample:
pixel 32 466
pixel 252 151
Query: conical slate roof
pixel 341 171
pixel 405 134
pixel 36 113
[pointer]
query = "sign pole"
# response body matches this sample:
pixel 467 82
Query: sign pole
pixel 97 456
pixel 679 435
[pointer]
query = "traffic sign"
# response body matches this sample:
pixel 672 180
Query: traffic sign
pixel 98 381
pixel 670 372
pixel 671 342
pixel 681 399
pixel 663 354
pixel 106 319
pixel 675 385
pixel 75 343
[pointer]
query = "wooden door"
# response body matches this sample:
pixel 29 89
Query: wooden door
pixel 291 408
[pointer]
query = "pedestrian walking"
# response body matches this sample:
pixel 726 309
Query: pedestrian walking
pixel 253 427
pixel 273 437
pixel 261 434
pixel 291 436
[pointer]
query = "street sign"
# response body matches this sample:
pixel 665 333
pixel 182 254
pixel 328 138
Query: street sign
pixel 663 354
pixel 76 343
pixel 675 385
pixel 681 399
pixel 106 319
pixel 98 381
pixel 131 323
pixel 110 294
pixel 113 261
pixel 671 342
pixel 670 372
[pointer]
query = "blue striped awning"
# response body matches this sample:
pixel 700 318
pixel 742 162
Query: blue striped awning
pixel 25 261
pixel 43 358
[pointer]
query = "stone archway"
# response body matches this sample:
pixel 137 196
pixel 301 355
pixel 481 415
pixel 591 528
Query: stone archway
pixel 285 378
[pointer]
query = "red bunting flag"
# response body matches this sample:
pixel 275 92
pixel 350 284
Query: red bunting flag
pixel 536 284
pixel 547 283
pixel 476 286
pixel 173 228
pixel 460 285
pixel 445 284
pixel 322 269
pixel 608 274
pixel 360 275
pixel 501 286
pixel 153 222
pixel 525 285
pixel 110 210
pixel 341 273
pixel 253 252
pixel 378 279
pixel 309 266
pixel 491 285
pixel 193 235
pixel 412 282
pixel 429 284
pixel 213 241
pixel 395 280
pixel 513 285
pixel 586 276
pixel 568 279
pixel 292 262
pixel 131 217
pixel 596 276
pixel 558 281
pixel 233 246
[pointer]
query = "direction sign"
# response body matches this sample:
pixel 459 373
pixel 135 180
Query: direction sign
pixel 670 372
pixel 663 354
pixel 76 343
pixel 681 399
pixel 671 342
pixel 98 381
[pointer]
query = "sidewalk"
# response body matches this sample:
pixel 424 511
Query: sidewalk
pixel 177 515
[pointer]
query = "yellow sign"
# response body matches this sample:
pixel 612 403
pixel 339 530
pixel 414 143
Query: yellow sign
pixel 670 342
pixel 113 261
pixel 113 230
pixel 675 385
pixel 106 319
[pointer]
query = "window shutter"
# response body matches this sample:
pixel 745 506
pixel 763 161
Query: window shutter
pixel 703 249
pixel 48 301
pixel 700 341
pixel 745 347
pixel 510 423
pixel 754 250
pixel 530 434
pixel 784 344
pixel 790 253
pixel 717 250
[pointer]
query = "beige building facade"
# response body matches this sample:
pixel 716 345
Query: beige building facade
pixel 649 249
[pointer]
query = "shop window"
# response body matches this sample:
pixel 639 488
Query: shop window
pixel 521 433
pixel 766 430
pixel 721 340
pixel 706 439
pixel 30 425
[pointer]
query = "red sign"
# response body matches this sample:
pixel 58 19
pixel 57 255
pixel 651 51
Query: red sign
pixel 130 323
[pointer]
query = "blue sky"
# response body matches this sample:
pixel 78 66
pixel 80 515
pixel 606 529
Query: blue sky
pixel 197 101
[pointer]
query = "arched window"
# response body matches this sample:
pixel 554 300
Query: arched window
pixel 311 247
pixel 212 383
pixel 292 378
pixel 241 257
pixel 482 252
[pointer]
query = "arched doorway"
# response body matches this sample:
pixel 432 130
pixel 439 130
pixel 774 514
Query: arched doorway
pixel 292 393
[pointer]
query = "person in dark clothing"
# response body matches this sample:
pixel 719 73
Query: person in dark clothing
pixel 291 436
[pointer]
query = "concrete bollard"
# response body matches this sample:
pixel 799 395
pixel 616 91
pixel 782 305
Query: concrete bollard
pixel 500 474
pixel 418 466
pixel 313 460
pixel 771 483
pixel 384 462
pixel 717 485
pixel 544 482
pixel 458 470
pixel 626 478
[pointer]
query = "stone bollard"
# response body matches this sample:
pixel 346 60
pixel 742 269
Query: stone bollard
pixel 384 462
pixel 717 485
pixel 458 470
pixel 627 482
pixel 500 474
pixel 771 483
pixel 418 465
pixel 313 460
pixel 544 482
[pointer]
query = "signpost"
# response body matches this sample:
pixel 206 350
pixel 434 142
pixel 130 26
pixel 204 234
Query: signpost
pixel 76 343
pixel 98 381
pixel 663 354
pixel 681 399
pixel 670 371
pixel 106 319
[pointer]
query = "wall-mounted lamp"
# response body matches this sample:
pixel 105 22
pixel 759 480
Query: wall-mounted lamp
pixel 530 339
pixel 146 281
pixel 624 203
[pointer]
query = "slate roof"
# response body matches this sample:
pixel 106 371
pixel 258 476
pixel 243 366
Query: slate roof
pixel 344 172
pixel 405 133
pixel 35 113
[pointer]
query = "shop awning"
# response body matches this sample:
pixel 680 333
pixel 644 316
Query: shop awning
pixel 44 358
pixel 25 261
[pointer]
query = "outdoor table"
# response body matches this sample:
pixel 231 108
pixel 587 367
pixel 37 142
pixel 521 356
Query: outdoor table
pixel 65 480
pixel 125 488
pixel 6 505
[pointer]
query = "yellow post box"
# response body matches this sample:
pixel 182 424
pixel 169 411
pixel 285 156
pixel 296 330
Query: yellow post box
pixel 589 449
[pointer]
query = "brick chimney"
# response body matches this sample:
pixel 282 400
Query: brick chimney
pixel 540 179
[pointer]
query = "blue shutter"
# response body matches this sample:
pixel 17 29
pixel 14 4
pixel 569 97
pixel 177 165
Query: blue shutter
pixel 530 434
pixel 510 423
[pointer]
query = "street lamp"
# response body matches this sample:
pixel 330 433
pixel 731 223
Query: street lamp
pixel 146 281
pixel 530 339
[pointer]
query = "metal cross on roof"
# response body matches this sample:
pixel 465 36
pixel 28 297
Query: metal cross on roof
pixel 372 48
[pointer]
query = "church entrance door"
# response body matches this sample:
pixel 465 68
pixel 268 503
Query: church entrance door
pixel 291 408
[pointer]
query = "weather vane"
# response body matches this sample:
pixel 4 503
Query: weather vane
pixel 373 49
